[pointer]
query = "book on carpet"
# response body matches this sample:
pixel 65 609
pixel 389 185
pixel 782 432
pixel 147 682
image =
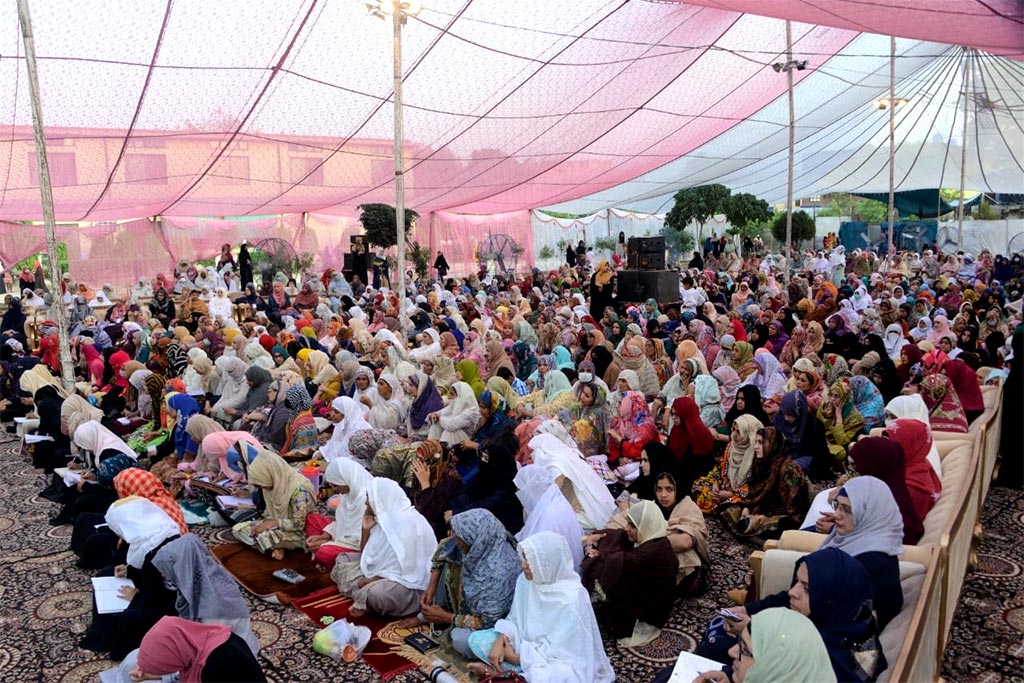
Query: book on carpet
pixel 106 589
pixel 70 476
pixel 236 502
pixel 689 666
pixel 36 438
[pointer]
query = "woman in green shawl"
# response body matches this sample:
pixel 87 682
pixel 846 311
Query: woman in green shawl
pixel 469 373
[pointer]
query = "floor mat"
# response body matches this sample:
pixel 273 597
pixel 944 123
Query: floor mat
pixel 386 653
pixel 254 571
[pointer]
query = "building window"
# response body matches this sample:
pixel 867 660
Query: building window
pixel 148 168
pixel 299 167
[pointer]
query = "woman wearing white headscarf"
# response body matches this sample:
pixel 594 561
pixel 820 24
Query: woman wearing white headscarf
pixel 143 401
pixel 394 565
pixel 430 346
pixel 233 387
pixel 327 538
pixel 579 483
pixel 457 421
pixel 220 305
pixel 366 395
pixel 547 510
pixel 894 342
pixel 550 633
pixel 348 416
pixel 390 406
pixel 390 349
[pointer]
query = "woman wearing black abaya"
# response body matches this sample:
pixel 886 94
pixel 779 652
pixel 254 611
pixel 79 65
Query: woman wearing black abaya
pixel 1011 472
pixel 46 455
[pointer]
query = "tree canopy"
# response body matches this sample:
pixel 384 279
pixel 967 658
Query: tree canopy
pixel 379 222
pixel 744 208
pixel 697 204
pixel 803 227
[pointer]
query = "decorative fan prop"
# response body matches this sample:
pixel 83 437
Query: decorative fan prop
pixel 946 236
pixel 272 255
pixel 502 250
pixel 1016 244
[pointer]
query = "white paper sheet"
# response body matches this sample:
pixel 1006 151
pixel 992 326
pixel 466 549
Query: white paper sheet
pixel 689 666
pixel 106 589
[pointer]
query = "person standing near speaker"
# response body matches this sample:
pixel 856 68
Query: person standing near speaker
pixel 602 289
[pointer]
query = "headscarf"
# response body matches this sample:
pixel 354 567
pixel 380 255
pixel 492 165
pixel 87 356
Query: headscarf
pixel 555 384
pixel 139 482
pixel 751 405
pixel 206 592
pixel 278 480
pixel 741 448
pixel 354 420
pixel 348 516
pixel 546 509
pixel 688 433
pixel 729 383
pixel 875 456
pixel 470 374
pixel 112 466
pixel 95 438
pixel 649 522
pixel 793 403
pixel 772 634
pixel 922 481
pixel 297 399
pixel 490 567
pixel 216 446
pixel 869 402
pixel 562 460
pixel 75 411
pixel 176 645
pixel 878 524
pixel 708 398
pixel 427 399
pixel 402 542
pixel 142 525
pixel 38 377
pixel 185 406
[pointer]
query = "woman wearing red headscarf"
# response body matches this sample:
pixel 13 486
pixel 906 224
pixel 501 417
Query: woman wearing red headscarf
pixel 691 443
pixel 923 484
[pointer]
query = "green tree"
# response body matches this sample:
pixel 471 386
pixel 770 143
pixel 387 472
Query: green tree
pixel 697 204
pixel 744 208
pixel 379 222
pixel 803 227
pixel 420 257
pixel 679 243
pixel 30 261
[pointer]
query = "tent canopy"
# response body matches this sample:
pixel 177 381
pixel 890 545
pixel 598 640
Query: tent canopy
pixel 509 106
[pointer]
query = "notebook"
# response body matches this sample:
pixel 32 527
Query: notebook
pixel 689 666
pixel 106 590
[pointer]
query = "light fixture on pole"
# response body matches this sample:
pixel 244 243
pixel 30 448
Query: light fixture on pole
pixel 399 11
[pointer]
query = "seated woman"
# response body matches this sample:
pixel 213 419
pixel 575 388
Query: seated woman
pixel 778 492
pixel 727 482
pixel 867 524
pixel 807 379
pixel 834 591
pixel 215 448
pixel 327 538
pixel 630 431
pixel 945 410
pixel 233 389
pixel 300 433
pixel 690 442
pixel 577 480
pixel 289 499
pixel 435 483
pixel 842 421
pixel 348 417
pixel 869 402
pixel 396 545
pixel 270 423
pixel 425 400
pixel 924 485
pixel 874 456
pixel 633 571
pixel 472 578
pixel 198 652
pixel 687 532
pixel 47 455
pixel 136 482
pixel 389 407
pixel 555 397
pixel 492 487
pixel 546 509
pixel 550 633
pixel 769 656
pixel 803 435
pixel 144 528
pixel 180 407
pixel 913 407
pixel 207 594
pixel 454 423
pixel 587 422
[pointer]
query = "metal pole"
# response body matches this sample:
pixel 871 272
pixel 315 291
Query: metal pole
pixel 963 152
pixel 892 143
pixel 59 314
pixel 396 19
pixel 792 145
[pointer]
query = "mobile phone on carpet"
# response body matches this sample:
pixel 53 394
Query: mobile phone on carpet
pixel 420 643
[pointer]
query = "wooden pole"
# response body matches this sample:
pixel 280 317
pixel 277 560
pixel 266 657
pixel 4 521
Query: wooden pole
pixel 57 309
pixel 963 152
pixel 792 146
pixel 396 18
pixel 892 144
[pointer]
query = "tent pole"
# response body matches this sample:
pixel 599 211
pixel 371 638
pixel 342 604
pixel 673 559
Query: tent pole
pixel 892 144
pixel 792 145
pixel 397 18
pixel 963 152
pixel 58 311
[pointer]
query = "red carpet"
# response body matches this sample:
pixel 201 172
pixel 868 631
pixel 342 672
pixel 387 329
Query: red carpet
pixel 380 653
pixel 254 571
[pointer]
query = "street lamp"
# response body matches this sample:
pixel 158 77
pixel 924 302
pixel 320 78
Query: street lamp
pixel 399 11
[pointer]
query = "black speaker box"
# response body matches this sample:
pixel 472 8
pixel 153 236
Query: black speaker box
pixel 640 285
pixel 646 253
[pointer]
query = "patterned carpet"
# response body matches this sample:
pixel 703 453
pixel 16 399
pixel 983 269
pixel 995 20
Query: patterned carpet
pixel 46 602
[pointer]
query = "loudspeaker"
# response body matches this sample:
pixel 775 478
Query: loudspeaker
pixel 646 253
pixel 640 285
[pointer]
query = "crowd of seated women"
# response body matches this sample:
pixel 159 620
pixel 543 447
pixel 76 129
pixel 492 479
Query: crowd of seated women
pixel 515 452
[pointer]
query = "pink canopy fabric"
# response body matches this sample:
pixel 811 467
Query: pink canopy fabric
pixel 509 106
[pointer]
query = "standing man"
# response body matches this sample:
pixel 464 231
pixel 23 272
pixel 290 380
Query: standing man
pixel 244 265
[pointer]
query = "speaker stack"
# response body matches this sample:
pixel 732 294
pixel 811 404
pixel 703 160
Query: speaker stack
pixel 646 276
